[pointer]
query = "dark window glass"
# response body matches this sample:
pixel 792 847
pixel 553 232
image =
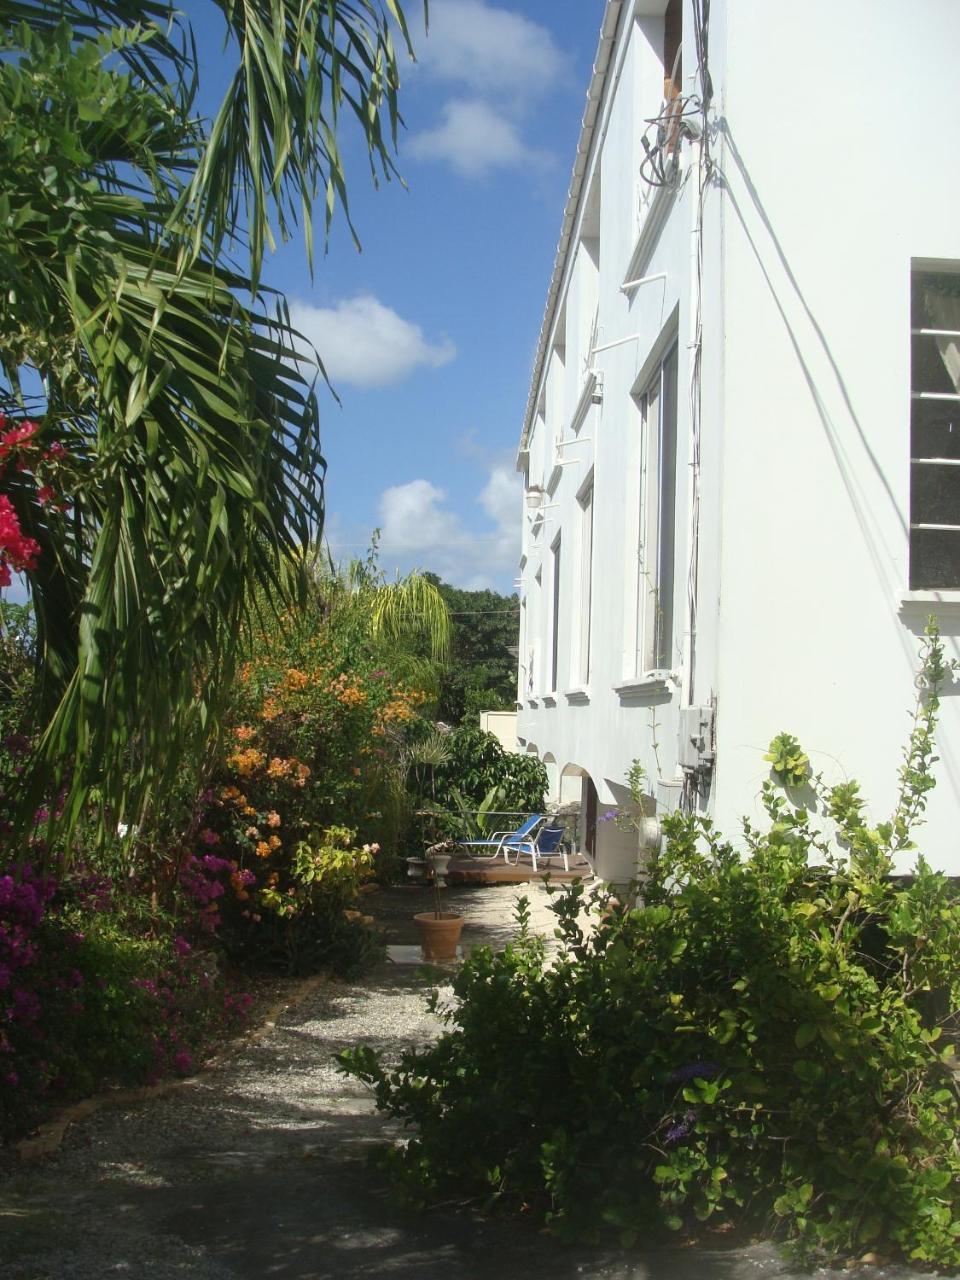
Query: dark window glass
pixel 934 429
pixel 934 493
pixel 934 560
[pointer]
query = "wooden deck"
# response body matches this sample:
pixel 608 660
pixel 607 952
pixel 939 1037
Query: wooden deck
pixel 495 871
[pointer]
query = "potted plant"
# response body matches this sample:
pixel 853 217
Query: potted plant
pixel 439 930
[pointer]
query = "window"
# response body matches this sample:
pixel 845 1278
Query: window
pixel 555 613
pixel 585 499
pixel 656 554
pixel 533 646
pixel 673 68
pixel 935 430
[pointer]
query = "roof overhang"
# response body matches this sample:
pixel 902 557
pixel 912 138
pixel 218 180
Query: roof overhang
pixel 614 15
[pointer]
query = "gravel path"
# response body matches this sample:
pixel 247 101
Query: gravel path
pixel 257 1168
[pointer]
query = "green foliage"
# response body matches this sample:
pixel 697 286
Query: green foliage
pixel 788 761
pixel 131 242
pixel 478 762
pixel 475 824
pixel 481 674
pixel 751 1046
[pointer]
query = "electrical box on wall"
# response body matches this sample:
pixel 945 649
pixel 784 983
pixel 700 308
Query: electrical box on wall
pixel 696 738
pixel 669 794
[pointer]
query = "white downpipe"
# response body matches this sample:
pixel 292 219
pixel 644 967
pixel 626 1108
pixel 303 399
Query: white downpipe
pixel 688 661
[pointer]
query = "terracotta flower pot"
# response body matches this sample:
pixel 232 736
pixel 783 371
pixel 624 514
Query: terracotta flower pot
pixel 439 936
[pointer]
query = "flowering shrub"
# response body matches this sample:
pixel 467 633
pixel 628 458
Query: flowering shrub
pixel 19 446
pixel 304 796
pixel 90 995
pixel 753 1046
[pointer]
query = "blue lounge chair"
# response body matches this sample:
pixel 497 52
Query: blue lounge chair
pixel 544 844
pixel 503 841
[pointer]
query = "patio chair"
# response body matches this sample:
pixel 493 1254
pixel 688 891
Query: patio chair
pixel 500 841
pixel 544 844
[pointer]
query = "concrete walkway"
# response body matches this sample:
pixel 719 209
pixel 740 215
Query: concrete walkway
pixel 257 1169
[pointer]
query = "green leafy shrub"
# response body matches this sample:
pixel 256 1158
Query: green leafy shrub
pixel 750 1047
pixel 303 917
pixel 477 762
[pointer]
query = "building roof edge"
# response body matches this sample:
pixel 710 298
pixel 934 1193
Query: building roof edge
pixel 609 29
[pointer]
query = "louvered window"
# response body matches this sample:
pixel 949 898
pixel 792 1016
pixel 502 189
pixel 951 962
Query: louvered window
pixel 935 431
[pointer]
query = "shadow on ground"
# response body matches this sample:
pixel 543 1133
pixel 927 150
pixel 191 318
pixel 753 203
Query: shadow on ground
pixel 259 1169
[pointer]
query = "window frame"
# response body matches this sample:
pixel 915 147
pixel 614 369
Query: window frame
pixel 585 502
pixel 655 601
pixel 556 566
pixel 920 578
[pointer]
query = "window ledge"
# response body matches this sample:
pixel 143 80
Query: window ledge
pixel 655 684
pixel 532 703
pixel 916 606
pixel 579 696
pixel 549 699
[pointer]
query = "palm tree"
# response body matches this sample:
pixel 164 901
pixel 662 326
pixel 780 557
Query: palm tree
pixel 132 239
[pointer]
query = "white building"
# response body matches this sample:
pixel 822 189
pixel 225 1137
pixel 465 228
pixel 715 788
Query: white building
pixel 741 450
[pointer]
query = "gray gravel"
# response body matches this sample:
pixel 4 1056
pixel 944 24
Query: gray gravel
pixel 257 1169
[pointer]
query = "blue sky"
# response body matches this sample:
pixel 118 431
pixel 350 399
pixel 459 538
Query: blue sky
pixel 429 334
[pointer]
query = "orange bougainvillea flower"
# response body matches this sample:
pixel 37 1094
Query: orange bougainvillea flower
pixel 246 761
pixel 243 733
pixel 271 709
pixel 273 818
pixel 263 849
pixel 274 842
pixel 278 768
pixel 253 833
pixel 295 679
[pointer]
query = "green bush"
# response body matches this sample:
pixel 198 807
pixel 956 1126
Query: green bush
pixel 477 762
pixel 750 1047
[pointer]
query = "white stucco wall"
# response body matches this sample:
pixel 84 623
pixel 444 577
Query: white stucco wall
pixel 503 726
pixel 833 171
pixel 828 195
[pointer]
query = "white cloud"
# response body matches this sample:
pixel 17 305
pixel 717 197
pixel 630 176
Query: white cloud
pixel 490 50
pixel 473 138
pixel 363 343
pixel 500 62
pixel 419 529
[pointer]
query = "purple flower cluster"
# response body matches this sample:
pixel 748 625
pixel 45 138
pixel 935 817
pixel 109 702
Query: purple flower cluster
pixel 205 880
pixel 23 903
pixel 55 988
pixel 680 1129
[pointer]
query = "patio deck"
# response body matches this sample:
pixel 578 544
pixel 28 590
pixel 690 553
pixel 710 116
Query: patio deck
pixel 467 870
